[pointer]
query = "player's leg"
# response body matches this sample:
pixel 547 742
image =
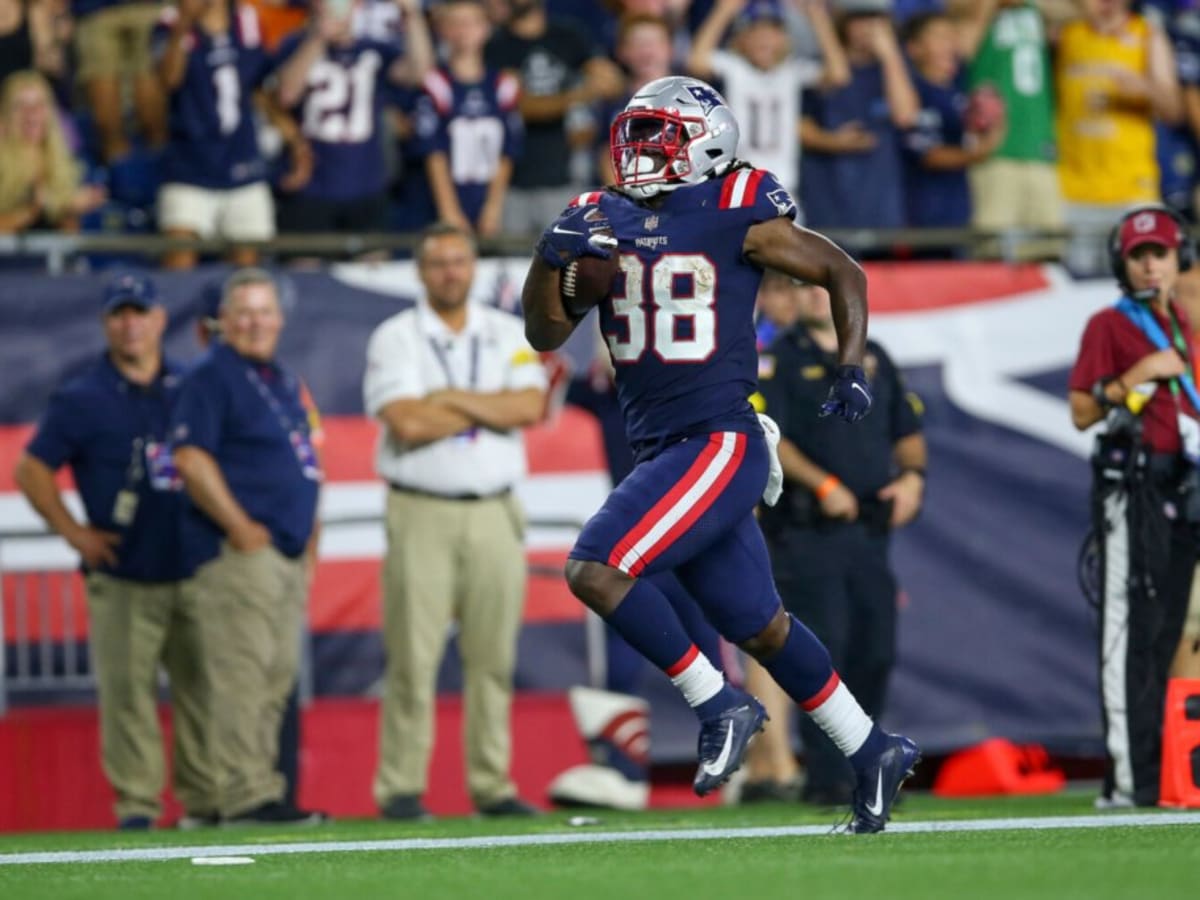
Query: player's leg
pixel 732 580
pixel 654 518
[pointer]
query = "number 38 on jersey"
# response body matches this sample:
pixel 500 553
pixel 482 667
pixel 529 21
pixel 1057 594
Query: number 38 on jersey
pixel 667 307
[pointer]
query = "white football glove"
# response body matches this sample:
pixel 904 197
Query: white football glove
pixel 775 473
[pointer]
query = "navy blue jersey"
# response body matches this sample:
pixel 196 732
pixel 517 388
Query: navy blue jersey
pixel 1178 153
pixel 475 125
pixel 113 434
pixel 680 322
pixel 212 136
pixel 854 190
pixel 340 115
pixel 937 198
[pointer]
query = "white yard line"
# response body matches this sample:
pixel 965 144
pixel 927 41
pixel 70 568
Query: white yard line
pixel 158 854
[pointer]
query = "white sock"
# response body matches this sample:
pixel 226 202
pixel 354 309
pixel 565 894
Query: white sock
pixel 838 714
pixel 696 678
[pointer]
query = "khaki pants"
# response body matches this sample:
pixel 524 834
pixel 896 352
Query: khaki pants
pixel 115 40
pixel 1011 193
pixel 450 560
pixel 134 626
pixel 251 606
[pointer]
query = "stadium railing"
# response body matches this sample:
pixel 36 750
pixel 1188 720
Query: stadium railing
pixel 58 250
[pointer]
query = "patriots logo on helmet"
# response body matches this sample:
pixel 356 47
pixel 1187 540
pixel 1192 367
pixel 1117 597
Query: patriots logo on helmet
pixel 782 201
pixel 705 96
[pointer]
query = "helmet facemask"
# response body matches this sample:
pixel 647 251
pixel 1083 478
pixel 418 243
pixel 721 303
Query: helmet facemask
pixel 650 151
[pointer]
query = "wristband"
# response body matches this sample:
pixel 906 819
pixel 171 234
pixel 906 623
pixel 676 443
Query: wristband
pixel 827 486
pixel 916 470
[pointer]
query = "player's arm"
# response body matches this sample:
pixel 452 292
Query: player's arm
pixel 547 325
pixel 781 244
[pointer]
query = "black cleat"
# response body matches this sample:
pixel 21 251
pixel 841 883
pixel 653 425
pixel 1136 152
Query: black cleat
pixel 879 784
pixel 723 742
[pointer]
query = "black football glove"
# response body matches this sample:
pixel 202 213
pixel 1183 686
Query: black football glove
pixel 849 395
pixel 580 231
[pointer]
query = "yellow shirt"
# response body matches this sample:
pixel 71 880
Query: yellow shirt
pixel 1105 147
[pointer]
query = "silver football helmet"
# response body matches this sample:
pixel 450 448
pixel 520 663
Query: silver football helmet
pixel 674 131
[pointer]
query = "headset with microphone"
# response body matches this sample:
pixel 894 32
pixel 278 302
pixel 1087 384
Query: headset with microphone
pixel 1183 242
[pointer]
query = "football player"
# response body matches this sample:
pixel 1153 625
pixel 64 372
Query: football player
pixel 691 229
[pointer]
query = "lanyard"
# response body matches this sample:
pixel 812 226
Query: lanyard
pixel 1141 316
pixel 444 361
pixel 288 425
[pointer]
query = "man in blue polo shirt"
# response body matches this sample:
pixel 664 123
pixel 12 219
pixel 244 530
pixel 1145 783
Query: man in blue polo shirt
pixel 110 425
pixel 243 437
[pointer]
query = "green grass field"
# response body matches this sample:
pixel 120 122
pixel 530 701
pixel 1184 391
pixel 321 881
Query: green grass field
pixel 690 855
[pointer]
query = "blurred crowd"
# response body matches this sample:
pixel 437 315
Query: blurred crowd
pixel 241 120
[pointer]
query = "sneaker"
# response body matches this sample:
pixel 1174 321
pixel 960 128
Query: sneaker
pixel 509 806
pixel 405 808
pixel 276 813
pixel 135 823
pixel 195 821
pixel 879 784
pixel 723 742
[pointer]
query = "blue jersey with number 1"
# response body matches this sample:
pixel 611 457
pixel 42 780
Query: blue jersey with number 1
pixel 211 115
pixel 680 321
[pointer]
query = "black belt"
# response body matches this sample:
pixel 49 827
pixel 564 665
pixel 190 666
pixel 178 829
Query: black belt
pixel 418 492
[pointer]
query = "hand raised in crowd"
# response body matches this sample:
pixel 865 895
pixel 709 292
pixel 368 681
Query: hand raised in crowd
pixel 905 493
pixel 883 39
pixel 190 11
pixel 250 537
pixel 839 503
pixel 602 80
pixel 95 547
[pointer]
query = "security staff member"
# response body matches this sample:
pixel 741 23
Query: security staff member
pixel 452 383
pixel 110 425
pixel 1135 372
pixel 244 445
pixel 845 489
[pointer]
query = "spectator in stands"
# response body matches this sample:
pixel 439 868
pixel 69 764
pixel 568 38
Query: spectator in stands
pixel 469 123
pixel 28 38
pixel 334 82
pixel 673 12
pixel 1115 75
pixel 452 383
pixel 244 441
pixel 852 174
pixel 1177 150
pixel 644 53
pixel 112 39
pixel 763 80
pixel 559 72
pixel 110 425
pixel 947 139
pixel 211 61
pixel 40 182
pixel 1006 47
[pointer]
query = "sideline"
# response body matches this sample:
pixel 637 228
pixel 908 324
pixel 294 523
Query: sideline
pixel 163 854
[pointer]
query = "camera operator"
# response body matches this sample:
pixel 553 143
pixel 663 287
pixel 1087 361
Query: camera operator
pixel 1135 372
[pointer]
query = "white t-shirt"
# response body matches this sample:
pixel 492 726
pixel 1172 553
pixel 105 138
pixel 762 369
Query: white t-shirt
pixel 414 353
pixel 767 107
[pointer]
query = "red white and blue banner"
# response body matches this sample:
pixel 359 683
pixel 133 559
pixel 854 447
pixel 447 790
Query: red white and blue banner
pixel 995 636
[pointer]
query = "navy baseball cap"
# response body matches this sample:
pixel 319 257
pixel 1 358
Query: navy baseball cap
pixel 129 290
pixel 758 11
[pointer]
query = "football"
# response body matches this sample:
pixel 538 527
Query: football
pixel 585 282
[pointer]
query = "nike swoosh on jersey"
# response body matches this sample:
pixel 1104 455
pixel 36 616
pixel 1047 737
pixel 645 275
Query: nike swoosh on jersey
pixel 876 808
pixel 718 767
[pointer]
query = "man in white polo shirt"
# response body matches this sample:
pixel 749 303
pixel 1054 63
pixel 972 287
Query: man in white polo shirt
pixel 451 382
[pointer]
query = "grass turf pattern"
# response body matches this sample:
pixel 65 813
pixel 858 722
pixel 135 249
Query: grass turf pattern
pixel 1116 862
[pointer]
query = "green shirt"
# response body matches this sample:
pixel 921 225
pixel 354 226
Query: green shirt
pixel 1014 58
